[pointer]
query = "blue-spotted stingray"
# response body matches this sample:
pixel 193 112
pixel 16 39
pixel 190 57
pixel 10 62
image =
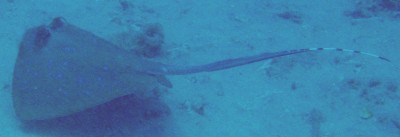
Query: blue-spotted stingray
pixel 62 69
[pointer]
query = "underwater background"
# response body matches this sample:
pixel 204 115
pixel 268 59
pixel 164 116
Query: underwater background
pixel 315 94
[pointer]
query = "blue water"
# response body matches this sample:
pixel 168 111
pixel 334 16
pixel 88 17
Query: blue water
pixel 318 94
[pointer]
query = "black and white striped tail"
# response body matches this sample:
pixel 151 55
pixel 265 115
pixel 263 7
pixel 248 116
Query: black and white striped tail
pixel 349 50
pixel 234 62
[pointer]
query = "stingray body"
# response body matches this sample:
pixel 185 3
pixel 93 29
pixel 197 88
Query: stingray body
pixel 62 69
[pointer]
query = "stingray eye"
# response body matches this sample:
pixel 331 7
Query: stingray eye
pixel 41 37
pixel 58 22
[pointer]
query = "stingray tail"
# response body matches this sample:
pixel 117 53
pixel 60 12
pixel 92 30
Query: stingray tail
pixel 352 51
pixel 230 63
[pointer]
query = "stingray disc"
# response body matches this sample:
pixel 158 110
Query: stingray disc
pixel 62 69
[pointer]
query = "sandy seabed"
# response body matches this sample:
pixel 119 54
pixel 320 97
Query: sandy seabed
pixel 319 94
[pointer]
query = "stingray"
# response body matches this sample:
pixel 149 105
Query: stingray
pixel 62 69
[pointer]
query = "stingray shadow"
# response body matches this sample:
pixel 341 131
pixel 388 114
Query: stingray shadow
pixel 125 116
